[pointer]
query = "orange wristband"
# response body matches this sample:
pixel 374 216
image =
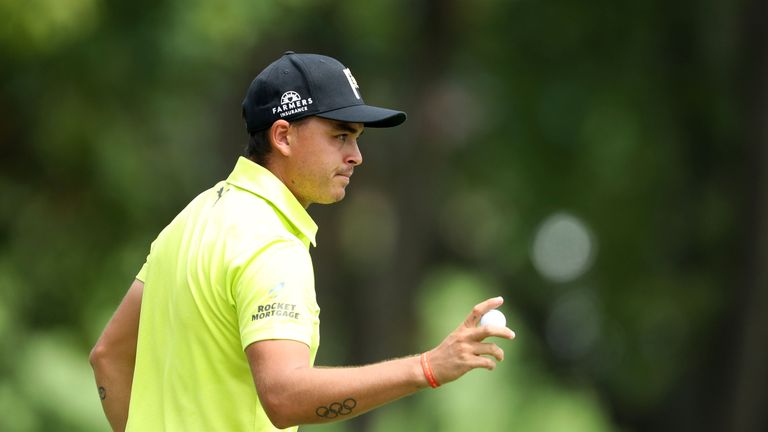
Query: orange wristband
pixel 427 369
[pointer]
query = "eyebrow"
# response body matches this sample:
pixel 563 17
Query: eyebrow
pixel 347 128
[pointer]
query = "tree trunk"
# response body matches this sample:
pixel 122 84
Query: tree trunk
pixel 748 395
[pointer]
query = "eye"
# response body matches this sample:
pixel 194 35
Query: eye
pixel 342 137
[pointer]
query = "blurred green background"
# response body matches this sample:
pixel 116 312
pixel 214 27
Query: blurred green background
pixel 601 164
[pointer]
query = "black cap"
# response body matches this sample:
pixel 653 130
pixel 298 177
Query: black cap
pixel 302 85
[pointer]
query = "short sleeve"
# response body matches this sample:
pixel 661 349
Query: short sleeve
pixel 274 294
pixel 142 274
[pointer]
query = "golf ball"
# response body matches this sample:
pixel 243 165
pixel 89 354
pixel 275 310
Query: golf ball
pixel 493 318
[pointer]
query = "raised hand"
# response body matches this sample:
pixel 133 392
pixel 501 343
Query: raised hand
pixel 464 349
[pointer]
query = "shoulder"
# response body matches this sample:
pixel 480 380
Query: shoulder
pixel 274 251
pixel 253 228
pixel 251 218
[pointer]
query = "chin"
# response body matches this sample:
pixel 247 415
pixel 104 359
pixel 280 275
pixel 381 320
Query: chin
pixel 332 199
pixel 339 196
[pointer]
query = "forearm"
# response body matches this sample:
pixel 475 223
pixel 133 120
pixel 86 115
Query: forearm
pixel 114 357
pixel 292 392
pixel 315 395
pixel 113 380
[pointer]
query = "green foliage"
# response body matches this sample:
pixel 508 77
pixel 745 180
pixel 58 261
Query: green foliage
pixel 624 115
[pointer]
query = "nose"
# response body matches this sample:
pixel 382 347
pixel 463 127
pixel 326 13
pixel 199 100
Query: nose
pixel 354 158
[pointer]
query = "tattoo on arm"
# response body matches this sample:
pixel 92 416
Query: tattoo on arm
pixel 336 409
pixel 102 393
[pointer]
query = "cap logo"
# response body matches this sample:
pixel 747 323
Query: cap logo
pixel 288 97
pixel 352 82
pixel 291 103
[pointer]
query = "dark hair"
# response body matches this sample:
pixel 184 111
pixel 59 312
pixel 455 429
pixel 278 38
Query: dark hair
pixel 258 147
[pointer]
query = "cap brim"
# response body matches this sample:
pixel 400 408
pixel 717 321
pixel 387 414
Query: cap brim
pixel 370 116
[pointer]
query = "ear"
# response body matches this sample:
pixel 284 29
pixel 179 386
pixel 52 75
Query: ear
pixel 279 137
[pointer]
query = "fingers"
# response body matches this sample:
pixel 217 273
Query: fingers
pixel 491 350
pixel 480 333
pixel 482 362
pixel 480 309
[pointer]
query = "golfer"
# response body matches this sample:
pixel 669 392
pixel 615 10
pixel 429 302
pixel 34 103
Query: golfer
pixel 220 329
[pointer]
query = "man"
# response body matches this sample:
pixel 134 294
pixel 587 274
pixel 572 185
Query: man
pixel 220 328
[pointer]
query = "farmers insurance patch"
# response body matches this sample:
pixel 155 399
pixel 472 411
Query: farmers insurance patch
pixel 291 103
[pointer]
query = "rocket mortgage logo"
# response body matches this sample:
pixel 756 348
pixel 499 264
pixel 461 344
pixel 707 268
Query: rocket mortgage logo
pixel 276 309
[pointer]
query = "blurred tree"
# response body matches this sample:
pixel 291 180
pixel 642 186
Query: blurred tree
pixel 746 394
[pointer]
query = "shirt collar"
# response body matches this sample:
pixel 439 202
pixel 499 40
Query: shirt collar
pixel 260 181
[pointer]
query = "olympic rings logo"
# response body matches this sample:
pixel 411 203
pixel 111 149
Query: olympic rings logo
pixel 336 409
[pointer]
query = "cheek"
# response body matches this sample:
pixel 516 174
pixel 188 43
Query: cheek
pixel 310 178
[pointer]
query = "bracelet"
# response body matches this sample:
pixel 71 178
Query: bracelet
pixel 427 369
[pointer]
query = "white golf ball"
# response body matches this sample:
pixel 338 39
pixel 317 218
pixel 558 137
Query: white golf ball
pixel 493 318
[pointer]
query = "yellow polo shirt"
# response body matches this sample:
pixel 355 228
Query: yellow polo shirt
pixel 231 269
